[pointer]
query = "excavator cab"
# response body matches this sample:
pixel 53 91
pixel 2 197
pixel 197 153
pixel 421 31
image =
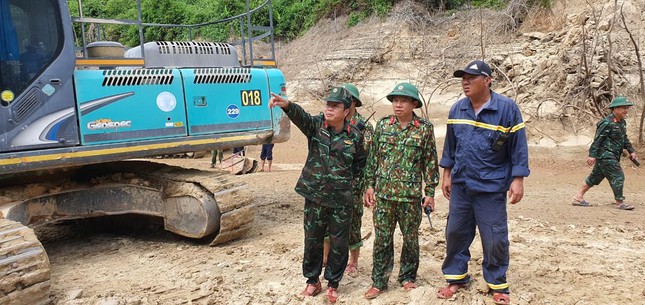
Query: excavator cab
pixel 36 68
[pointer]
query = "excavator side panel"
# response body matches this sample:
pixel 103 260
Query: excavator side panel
pixel 128 105
pixel 227 99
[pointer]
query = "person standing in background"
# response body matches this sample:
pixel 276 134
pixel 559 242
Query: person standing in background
pixel 216 154
pixel 239 151
pixel 266 155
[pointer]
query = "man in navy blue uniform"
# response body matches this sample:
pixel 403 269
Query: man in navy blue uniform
pixel 485 156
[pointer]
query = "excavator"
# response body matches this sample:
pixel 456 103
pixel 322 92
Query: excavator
pixel 80 119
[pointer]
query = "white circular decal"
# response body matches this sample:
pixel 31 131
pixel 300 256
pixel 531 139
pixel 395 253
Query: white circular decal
pixel 166 101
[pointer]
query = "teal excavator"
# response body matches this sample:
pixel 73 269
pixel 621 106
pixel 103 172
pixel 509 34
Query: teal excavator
pixel 75 113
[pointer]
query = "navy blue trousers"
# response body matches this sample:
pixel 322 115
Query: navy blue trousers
pixel 487 212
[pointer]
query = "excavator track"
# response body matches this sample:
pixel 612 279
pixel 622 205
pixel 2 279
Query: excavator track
pixel 24 266
pixel 193 203
pixel 234 202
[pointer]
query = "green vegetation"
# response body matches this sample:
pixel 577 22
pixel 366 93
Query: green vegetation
pixel 291 17
pixel 494 4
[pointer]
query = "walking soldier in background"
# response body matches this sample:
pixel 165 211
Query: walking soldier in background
pixel 604 154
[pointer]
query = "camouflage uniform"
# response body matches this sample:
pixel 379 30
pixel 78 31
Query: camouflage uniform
pixel 334 159
pixel 215 154
pixel 358 188
pixel 399 161
pixel 608 145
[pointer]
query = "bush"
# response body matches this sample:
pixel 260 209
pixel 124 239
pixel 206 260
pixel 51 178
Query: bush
pixel 291 17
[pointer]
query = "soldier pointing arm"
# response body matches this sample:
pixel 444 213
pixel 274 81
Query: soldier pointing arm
pixel 336 155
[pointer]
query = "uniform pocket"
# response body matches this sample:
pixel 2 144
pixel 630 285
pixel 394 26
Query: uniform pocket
pixel 487 139
pixel 616 133
pixel 402 159
pixel 342 185
pixel 500 251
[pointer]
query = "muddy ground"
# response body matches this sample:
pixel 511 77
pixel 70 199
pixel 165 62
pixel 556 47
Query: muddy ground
pixel 560 254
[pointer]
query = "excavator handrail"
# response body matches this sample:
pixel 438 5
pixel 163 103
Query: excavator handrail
pixel 268 30
pixel 168 25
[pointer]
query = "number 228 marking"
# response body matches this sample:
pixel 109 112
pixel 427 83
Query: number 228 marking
pixel 251 97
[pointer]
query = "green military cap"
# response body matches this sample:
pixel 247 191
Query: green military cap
pixel 620 101
pixel 354 92
pixel 405 89
pixel 340 95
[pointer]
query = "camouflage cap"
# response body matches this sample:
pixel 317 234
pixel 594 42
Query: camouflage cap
pixel 354 92
pixel 620 101
pixel 406 89
pixel 340 95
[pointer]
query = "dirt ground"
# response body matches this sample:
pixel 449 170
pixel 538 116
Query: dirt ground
pixel 560 254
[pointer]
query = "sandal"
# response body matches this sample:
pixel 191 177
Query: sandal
pixel 500 298
pixel 409 285
pixel 581 203
pixel 447 293
pixel 332 295
pixel 351 270
pixel 372 293
pixel 312 290
pixel 625 206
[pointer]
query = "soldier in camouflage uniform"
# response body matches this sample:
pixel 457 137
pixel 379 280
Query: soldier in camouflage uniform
pixel 336 155
pixel 358 188
pixel 605 152
pixel 403 156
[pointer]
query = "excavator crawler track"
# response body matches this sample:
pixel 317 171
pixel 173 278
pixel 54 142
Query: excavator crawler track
pixel 24 266
pixel 193 203
pixel 234 202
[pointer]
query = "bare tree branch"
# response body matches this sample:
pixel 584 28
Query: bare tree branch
pixel 640 70
pixel 609 54
pixel 481 33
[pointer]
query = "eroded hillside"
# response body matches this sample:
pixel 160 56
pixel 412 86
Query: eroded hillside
pixel 555 63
